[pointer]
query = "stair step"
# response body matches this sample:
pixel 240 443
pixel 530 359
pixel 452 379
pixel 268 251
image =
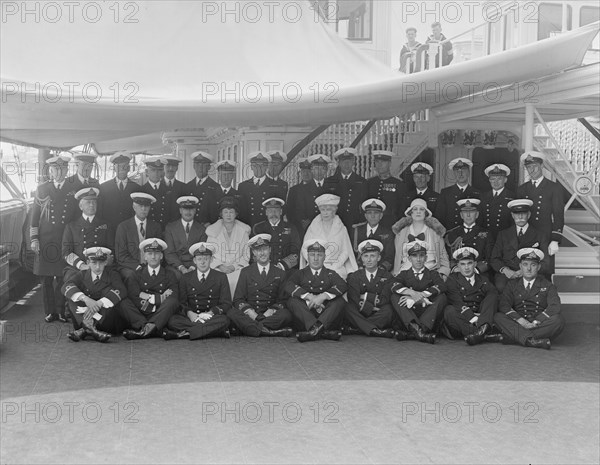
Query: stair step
pixel 578 283
pixel 579 298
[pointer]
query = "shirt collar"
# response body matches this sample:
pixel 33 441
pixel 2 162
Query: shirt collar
pixel 316 271
pixel 59 185
pixel 82 179
pixel 267 267
pixel 421 192
pixel 497 192
pixel 155 185
pixel 150 270
pixel 201 181
pixel 524 228
pixel 90 218
pixel 121 181
pixel 468 227
pixel 138 221
pixel 418 272
pixel 319 183
pixel 94 275
pixel 374 273
pixel 346 176
pixel 276 224
pixel 372 228
pixel 199 273
pixel 525 282
pixel 260 180
pixel 463 188
pixel 184 223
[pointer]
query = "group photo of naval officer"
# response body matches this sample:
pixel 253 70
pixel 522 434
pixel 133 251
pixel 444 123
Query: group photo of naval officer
pixel 336 254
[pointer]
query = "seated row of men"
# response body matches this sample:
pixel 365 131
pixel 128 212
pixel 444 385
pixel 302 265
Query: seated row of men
pixel 416 304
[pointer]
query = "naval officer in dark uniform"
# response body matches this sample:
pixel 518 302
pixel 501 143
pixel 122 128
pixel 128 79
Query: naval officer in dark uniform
pixel 447 210
pixel 369 308
pixel 385 187
pixel 152 294
pixel 521 235
pixel 548 209
pixel 53 207
pixel 350 187
pixel 494 212
pixel 469 234
pixel 294 200
pixel 114 202
pixel 205 300
pixel 284 241
pixel 95 295
pixel 175 187
pixel 316 296
pixel 254 191
pixel 421 173
pixel 374 210
pixel 226 176
pixel 88 230
pixel 307 208
pixel 204 188
pixel 529 309
pixel 258 301
pixel 82 178
pixel 277 186
pixel 472 300
pixel 155 171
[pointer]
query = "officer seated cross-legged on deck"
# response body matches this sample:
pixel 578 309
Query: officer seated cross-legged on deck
pixel 369 308
pixel 258 305
pixel 418 297
pixel 94 296
pixel 529 309
pixel 316 296
pixel 205 300
pixel 152 294
pixel 472 299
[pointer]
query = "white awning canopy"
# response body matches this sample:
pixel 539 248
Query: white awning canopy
pixel 186 65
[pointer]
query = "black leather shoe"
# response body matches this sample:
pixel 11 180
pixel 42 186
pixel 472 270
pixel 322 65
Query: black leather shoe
pixel 402 335
pixel 131 334
pixel 63 318
pixel 331 335
pixel 77 335
pixel 493 337
pixel 422 334
pixel 283 332
pixel 169 335
pixel 98 335
pixel 51 317
pixel 350 331
pixel 312 334
pixel 226 334
pixel 387 333
pixel 537 343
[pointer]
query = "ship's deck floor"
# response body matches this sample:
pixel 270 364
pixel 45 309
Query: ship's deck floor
pixel 244 400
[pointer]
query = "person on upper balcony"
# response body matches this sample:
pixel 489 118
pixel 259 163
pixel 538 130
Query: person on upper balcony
pixel 408 54
pixel 447 52
pixel 548 209
pixel 447 211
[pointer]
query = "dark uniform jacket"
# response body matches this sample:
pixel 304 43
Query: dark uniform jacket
pixel 80 235
pixel 294 205
pixel 110 286
pixel 143 281
pixel 392 192
pixel 367 294
pixel 52 209
pixel 159 210
pixel 178 189
pixel 307 209
pixel 352 192
pixel 539 303
pixel 127 242
pixel 251 199
pixel 178 244
pixel 477 238
pixel 547 211
pixel 494 214
pixel 431 281
pixel 115 205
pixel 73 183
pixel 446 210
pixel 277 187
pixel 285 242
pixel 213 295
pixel 208 195
pixel 466 298
pixel 254 291
pixel 231 192
pixel 304 281
pixel 383 235
pixel 508 243
pixel 430 196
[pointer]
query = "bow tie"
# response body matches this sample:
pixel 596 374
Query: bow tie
pixel 420 237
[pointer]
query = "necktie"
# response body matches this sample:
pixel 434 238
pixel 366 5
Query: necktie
pixel 495 194
pixel 89 220
pixel 534 184
pixel 202 278
pixel 370 233
pixel 420 237
pixel 520 232
pixel 187 228
pixel 263 273
pixel 142 230
pixel 257 182
pixel 225 191
pixel 121 187
pixel 420 194
pixel 86 182
pixel 472 281
pixel 371 276
pixel 96 279
pixel 528 287
pixel 316 274
pixel 156 187
pixel 169 184
pixel 154 273
pixel 419 275
pixel 467 230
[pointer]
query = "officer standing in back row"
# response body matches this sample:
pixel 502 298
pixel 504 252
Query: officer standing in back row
pixel 421 173
pixel 447 210
pixel 494 212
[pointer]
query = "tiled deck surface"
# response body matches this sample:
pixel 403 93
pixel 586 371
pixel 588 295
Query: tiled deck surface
pixel 246 400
